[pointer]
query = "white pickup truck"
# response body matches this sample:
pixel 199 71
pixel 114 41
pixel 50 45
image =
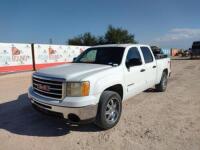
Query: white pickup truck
pixel 93 87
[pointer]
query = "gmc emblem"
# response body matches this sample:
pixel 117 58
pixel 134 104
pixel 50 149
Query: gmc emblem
pixel 43 87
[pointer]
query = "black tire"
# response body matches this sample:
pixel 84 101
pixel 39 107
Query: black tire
pixel 162 86
pixel 108 117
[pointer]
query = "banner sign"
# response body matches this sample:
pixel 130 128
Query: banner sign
pixel 18 57
pixel 15 57
pixel 56 53
pixel 15 54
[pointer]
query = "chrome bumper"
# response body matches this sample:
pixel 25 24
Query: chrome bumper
pixel 83 113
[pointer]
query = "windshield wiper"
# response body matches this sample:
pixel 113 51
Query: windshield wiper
pixel 113 64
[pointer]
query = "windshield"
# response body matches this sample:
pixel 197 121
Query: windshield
pixel 101 55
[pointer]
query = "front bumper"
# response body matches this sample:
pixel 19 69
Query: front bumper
pixel 82 113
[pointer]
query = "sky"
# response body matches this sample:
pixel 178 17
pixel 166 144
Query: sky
pixel 166 23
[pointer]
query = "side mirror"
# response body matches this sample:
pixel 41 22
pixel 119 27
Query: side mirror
pixel 74 59
pixel 133 62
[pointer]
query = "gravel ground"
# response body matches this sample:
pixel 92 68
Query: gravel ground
pixel 150 120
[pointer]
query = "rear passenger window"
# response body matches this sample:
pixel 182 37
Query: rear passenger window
pixel 147 54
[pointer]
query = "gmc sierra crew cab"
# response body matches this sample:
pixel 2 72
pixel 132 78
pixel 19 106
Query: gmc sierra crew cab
pixel 94 85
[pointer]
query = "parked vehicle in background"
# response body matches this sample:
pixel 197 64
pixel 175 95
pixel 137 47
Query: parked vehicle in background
pixel 195 50
pixel 185 53
pixel 93 87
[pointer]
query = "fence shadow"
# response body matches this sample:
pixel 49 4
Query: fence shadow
pixel 19 117
pixel 185 58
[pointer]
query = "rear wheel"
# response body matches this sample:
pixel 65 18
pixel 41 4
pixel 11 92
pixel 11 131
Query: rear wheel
pixel 109 110
pixel 162 86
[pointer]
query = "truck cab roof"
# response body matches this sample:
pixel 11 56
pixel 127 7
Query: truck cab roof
pixel 120 45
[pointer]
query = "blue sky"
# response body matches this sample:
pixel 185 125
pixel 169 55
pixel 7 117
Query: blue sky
pixel 167 23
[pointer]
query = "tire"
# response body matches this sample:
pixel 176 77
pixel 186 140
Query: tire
pixel 109 110
pixel 162 86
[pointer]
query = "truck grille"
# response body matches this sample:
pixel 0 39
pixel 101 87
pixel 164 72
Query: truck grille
pixel 48 87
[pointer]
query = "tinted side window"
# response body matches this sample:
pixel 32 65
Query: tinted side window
pixel 147 54
pixel 133 54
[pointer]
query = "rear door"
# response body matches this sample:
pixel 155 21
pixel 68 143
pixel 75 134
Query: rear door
pixel 134 75
pixel 150 66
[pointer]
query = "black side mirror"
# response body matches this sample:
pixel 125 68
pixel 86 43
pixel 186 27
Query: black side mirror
pixel 133 62
pixel 74 59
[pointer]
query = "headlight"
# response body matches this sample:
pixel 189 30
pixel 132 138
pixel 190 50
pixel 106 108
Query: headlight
pixel 77 89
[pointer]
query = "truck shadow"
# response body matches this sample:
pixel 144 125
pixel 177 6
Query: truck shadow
pixel 19 117
pixel 151 90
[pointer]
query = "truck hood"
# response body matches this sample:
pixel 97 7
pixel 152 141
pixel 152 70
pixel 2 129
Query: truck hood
pixel 72 71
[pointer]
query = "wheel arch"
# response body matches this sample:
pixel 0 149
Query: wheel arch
pixel 118 88
pixel 166 70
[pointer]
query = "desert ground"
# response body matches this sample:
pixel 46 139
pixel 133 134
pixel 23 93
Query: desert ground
pixel 149 121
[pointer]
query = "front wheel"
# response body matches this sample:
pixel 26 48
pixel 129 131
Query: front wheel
pixel 109 110
pixel 162 86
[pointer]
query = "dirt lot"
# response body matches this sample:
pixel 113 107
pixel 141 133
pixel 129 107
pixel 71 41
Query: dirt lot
pixel 151 120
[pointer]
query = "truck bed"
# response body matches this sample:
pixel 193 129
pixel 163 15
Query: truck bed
pixel 160 56
pixel 161 64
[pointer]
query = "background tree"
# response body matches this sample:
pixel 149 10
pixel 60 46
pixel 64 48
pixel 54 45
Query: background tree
pixel 118 36
pixel 86 39
pixel 101 40
pixel 112 36
pixel 75 41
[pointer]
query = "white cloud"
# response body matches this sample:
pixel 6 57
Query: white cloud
pixel 178 36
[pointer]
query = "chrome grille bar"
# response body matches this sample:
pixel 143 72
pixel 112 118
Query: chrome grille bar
pixel 58 89
pixel 45 82
pixel 48 87
pixel 46 91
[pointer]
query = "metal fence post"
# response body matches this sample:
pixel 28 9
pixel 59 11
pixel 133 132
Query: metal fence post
pixel 33 56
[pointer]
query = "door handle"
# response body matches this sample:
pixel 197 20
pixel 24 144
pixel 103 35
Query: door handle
pixel 142 70
pixel 154 67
